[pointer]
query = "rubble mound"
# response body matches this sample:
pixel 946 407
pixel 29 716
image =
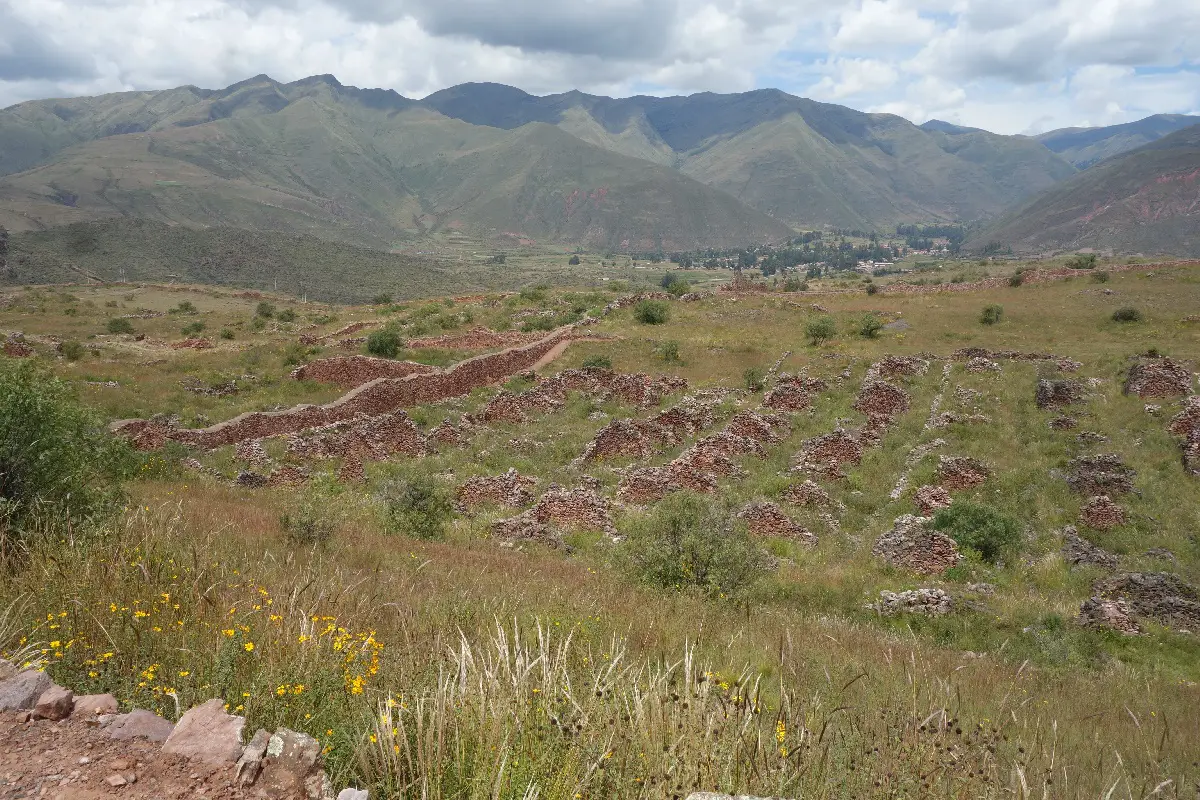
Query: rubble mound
pixel 448 434
pixel 478 338
pixel 642 438
pixel 827 453
pixel 15 347
pixel 1103 473
pixel 287 476
pixel 192 344
pixel 1068 365
pixel 1101 513
pixel 1160 596
pixel 347 372
pixel 808 494
pixel 352 470
pixel 1079 552
pixel 581 508
pixel 1059 393
pixel 509 489
pixel 931 602
pixel 929 499
pixel 961 472
pixel 913 545
pixel 759 427
pixel 765 518
pixel 1063 423
pixel 504 406
pixel 1159 377
pixel 1191 452
pixel 981 365
pixel 377 438
pixel 251 452
pixel 1105 614
pixel 788 396
pixel 891 366
pixel 881 399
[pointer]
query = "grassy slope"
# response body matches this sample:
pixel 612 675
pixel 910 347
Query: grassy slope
pixel 1084 147
pixel 1140 201
pixel 804 634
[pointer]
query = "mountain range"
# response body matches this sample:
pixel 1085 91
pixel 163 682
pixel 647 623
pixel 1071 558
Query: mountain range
pixel 370 167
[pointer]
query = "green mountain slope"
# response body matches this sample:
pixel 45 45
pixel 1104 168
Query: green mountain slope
pixel 372 169
pixel 1083 147
pixel 1146 200
pixel 803 162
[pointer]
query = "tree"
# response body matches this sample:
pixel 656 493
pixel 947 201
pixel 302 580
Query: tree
pixel 265 310
pixel 870 327
pixel 59 466
pixel 385 343
pixel 573 261
pixel 1082 261
pixel 820 329
pixel 651 312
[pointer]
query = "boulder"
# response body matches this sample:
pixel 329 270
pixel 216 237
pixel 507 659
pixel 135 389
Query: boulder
pixel 54 704
pixel 352 794
pixel 140 724
pixel 208 733
pixel 292 767
pixel 7 670
pixel 250 762
pixel 21 692
pixel 89 706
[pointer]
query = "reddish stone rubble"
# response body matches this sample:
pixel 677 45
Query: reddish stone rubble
pixel 643 438
pixel 765 518
pixel 1187 420
pixel 509 489
pixel 892 366
pixel 1059 393
pixel 352 470
pixel 788 396
pixel 881 399
pixel 930 499
pixel 1104 473
pixel 287 476
pixel 479 338
pixel 447 434
pixel 1100 613
pixel 766 428
pixel 192 344
pixel 581 508
pixel 376 438
pixel 1159 377
pixel 347 372
pixel 810 495
pixel 828 453
pixel 1101 513
pixel 1165 598
pixel 913 545
pixel 15 348
pixel 251 452
pixel 961 472
pixel 1079 552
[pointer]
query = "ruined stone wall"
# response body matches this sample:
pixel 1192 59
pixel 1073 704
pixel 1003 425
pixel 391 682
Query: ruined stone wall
pixel 353 327
pixel 1159 378
pixel 348 372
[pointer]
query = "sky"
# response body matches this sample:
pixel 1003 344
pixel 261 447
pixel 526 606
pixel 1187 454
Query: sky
pixel 1010 66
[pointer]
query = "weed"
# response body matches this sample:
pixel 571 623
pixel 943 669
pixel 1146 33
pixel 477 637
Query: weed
pixel 990 533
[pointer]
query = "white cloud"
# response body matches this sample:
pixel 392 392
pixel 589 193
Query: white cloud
pixel 1006 65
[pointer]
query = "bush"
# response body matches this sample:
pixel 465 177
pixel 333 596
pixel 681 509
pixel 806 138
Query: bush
pixel 820 329
pixel 385 343
pixel 119 325
pixel 287 315
pixel 1100 276
pixel 192 327
pixel 381 299
pixel 753 379
pixel 59 466
pixel 689 542
pixel 1016 279
pixel 1083 261
pixel 679 287
pixel 669 351
pixel 651 312
pixel 991 314
pixel 295 354
pixel 265 310
pixel 184 307
pixel 990 533
pixel 870 327
pixel 226 333
pixel 258 323
pixel 310 522
pixel 599 362
pixel 872 289
pixel 1127 314
pixel 795 285
pixel 71 350
pixel 573 261
pixel 416 505
pixel 536 294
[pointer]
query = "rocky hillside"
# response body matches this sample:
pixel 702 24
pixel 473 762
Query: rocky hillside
pixel 1084 147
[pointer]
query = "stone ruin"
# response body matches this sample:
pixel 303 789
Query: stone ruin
pixel 192 344
pixel 1159 596
pixel 961 472
pixel 352 470
pixel 376 438
pixel 788 396
pixel 1191 452
pixel 979 366
pixel 1079 552
pixel 930 499
pixel 1187 424
pixel 1059 393
pixel 1159 377
pixel 643 438
pixel 353 327
pixel 913 545
pixel 15 346
pixel 766 519
pixel 287 476
pixel 1104 473
pixel 650 484
pixel 1100 613
pixel 509 489
pixel 1101 513
pixel 765 428
pixel 931 602
pixel 448 434
pixel 891 366
pixel 346 372
pixel 828 453
pixel 879 398
pixel 1068 365
pixel 810 495
pixel 582 508
pixel 251 452
pixel 1063 423
pixel 968 353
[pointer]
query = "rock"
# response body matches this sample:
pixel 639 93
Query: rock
pixel 981 588
pixel 1079 552
pixel 140 724
pixel 932 602
pixel 1098 612
pixel 1161 596
pixel 292 767
pixel 1059 393
pixel 765 518
pixel 1159 378
pixel 352 794
pixel 250 480
pixel 21 692
pixel 116 780
pixel 54 704
pixel 7 670
pixel 910 544
pixel 931 498
pixel 250 763
pixel 93 705
pixel 207 733
pixel 1103 473
pixel 1161 552
pixel 961 472
pixel 1101 513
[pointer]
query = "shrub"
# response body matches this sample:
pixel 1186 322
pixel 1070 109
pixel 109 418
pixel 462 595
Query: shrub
pixel 381 299
pixel 1016 279
pixel 310 522
pixel 820 329
pixel 1083 261
pixel 1100 276
pixel 226 333
pixel 71 350
pixel 59 466
pixel 192 327
pixel 416 505
pixel 872 289
pixel 870 327
pixel 265 310
pixel 258 323
pixel 535 293
pixel 287 315
pixel 679 287
pixel 690 542
pixel 795 285
pixel 1127 314
pixel 385 343
pixel 991 314
pixel 119 325
pixel 669 351
pixel 753 379
pixel 573 261
pixel 599 362
pixel 184 307
pixel 990 533
pixel 651 312
pixel 617 286
pixel 295 354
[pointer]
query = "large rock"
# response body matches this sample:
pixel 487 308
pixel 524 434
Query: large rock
pixel 140 724
pixel 250 762
pixel 1079 552
pixel 7 670
pixel 93 705
pixel 55 703
pixel 21 692
pixel 932 602
pixel 292 767
pixel 208 733
pixel 1107 614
